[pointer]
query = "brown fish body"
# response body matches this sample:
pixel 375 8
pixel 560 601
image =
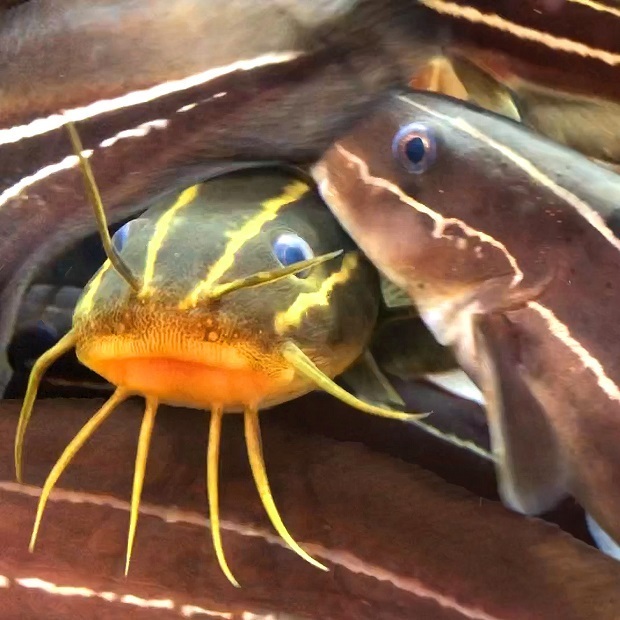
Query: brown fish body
pixel 505 242
pixel 572 46
pixel 525 568
pixel 167 93
pixel 555 65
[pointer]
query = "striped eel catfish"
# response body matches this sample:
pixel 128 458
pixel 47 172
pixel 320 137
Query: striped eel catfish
pixel 507 244
pixel 241 293
pixel 167 93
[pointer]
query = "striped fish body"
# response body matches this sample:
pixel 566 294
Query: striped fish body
pixel 554 65
pixel 214 233
pixel 507 244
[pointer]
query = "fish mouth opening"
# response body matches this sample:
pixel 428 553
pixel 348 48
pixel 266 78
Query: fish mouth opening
pixel 192 374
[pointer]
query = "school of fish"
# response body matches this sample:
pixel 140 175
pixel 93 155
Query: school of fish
pixel 237 289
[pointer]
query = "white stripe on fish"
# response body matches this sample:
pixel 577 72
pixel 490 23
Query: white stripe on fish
pixel 40 126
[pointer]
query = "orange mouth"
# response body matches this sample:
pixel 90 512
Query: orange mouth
pixel 189 383
pixel 181 370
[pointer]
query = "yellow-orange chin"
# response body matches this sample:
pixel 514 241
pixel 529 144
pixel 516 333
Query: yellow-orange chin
pixel 189 383
pixel 216 375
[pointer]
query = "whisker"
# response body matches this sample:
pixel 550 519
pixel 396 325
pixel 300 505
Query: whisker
pixel 146 430
pixel 65 344
pixel 70 451
pixel 268 277
pixel 257 464
pixel 121 267
pixel 213 459
pixel 306 367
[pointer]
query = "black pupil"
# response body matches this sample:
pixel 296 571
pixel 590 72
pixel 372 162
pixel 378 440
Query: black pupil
pixel 414 149
pixel 293 254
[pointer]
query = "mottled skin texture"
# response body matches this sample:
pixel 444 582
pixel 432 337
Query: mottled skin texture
pixel 243 330
pixel 63 56
pixel 519 206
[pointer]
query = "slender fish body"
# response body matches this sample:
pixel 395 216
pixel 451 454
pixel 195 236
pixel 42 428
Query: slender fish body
pixel 507 244
pixel 167 93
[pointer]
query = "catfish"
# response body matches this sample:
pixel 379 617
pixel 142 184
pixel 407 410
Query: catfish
pixel 165 94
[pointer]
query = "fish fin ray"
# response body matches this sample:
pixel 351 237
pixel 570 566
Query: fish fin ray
pixel 366 380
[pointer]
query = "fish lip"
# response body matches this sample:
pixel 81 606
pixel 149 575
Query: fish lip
pixel 192 374
pixel 221 355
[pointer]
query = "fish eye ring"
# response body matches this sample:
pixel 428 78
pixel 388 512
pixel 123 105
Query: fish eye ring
pixel 415 147
pixel 290 248
pixel 119 238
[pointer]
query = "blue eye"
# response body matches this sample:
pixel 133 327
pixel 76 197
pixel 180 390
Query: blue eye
pixel 290 248
pixel 119 239
pixel 415 147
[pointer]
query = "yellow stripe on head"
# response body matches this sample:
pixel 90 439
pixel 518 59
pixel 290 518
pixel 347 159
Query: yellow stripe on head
pixel 85 304
pixel 237 239
pixel 161 230
pixel 293 315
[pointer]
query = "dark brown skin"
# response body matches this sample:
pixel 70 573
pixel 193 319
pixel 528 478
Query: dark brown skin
pixel 542 349
pixel 66 55
pixel 421 538
pixel 536 54
pixel 552 64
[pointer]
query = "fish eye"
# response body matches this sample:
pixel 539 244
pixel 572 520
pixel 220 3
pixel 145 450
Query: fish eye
pixel 119 238
pixel 290 248
pixel 415 147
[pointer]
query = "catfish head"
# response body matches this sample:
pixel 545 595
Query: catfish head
pixel 169 94
pixel 241 293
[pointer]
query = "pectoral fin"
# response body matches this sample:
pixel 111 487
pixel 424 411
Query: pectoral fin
pixel 483 89
pixel 456 382
pixel 394 296
pixel 458 77
pixel 530 470
pixel 404 347
pixel 366 381
pixel 438 76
